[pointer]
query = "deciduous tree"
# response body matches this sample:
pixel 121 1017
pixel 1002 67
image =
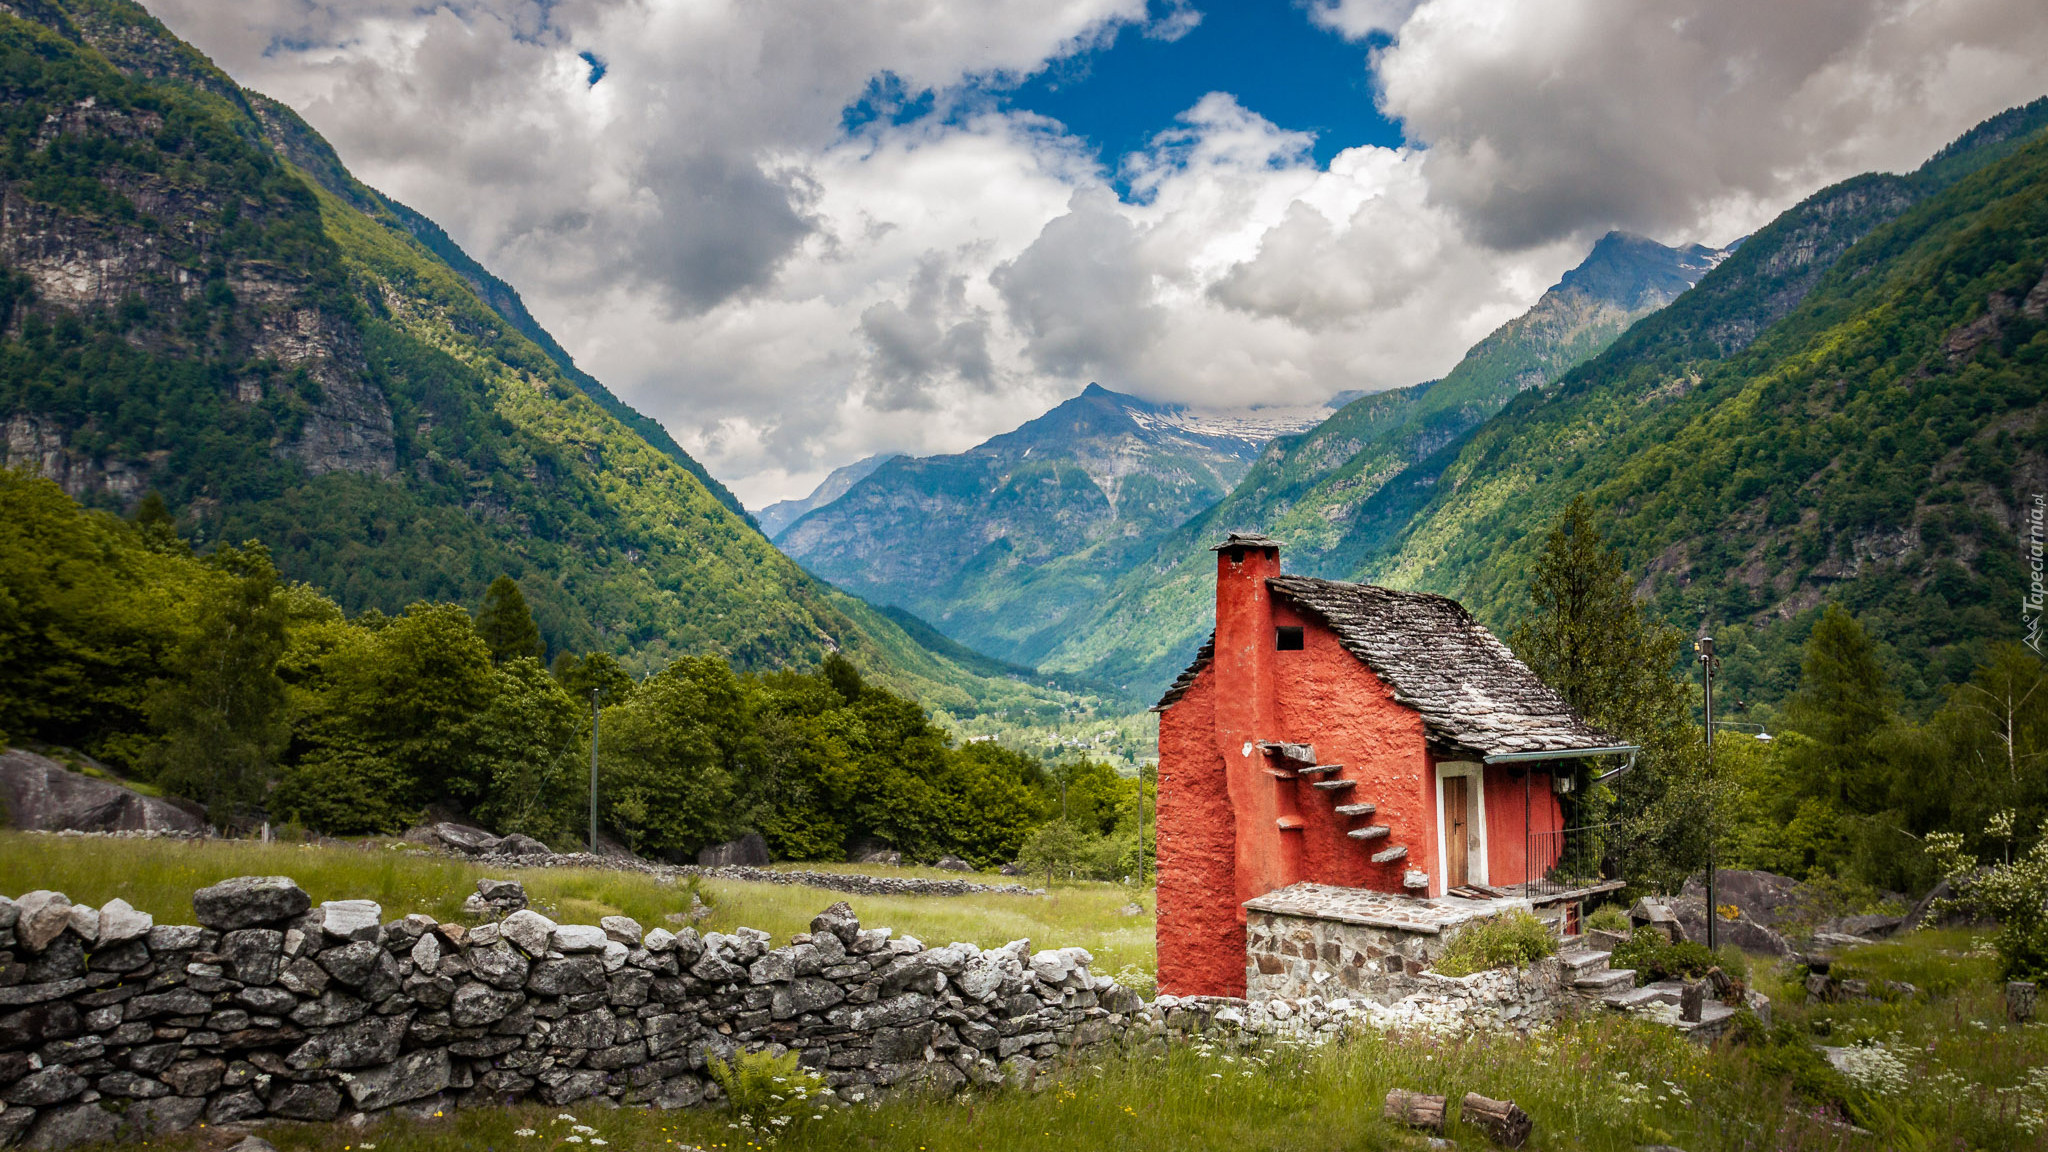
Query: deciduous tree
pixel 221 706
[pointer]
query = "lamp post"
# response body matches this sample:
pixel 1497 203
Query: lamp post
pixel 1705 647
pixel 593 771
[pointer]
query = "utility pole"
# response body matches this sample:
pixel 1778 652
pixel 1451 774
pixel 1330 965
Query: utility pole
pixel 593 771
pixel 1705 647
pixel 1141 828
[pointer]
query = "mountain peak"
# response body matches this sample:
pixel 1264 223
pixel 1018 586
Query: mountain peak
pixel 1635 272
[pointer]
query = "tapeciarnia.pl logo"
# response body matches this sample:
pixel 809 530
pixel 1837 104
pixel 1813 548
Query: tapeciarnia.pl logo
pixel 2031 603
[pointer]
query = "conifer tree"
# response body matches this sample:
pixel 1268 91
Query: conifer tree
pixel 158 527
pixel 506 623
pixel 1843 702
pixel 1589 640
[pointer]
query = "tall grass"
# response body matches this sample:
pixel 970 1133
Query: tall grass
pixel 159 877
pixel 1605 1085
pixel 1950 1072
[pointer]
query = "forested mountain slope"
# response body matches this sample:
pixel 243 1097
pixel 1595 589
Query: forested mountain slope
pixel 1309 490
pixel 199 299
pixel 1851 408
pixel 1006 546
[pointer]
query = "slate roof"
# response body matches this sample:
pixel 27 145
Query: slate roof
pixel 1474 696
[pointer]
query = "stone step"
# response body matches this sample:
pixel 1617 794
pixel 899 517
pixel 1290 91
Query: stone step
pixel 1370 832
pixel 1712 1012
pixel 1290 823
pixel 1638 997
pixel 1584 961
pixel 1416 878
pixel 1397 852
pixel 1300 753
pixel 1606 980
pixel 1322 769
pixel 1355 809
pixel 1334 785
pixel 1280 774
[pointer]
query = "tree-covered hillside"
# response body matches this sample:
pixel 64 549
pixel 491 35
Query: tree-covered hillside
pixel 199 300
pixel 1323 493
pixel 1850 409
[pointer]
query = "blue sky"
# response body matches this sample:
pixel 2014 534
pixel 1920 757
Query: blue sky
pixel 1266 53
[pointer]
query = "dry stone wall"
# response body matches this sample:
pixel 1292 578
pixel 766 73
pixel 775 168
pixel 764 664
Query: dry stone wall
pixel 113 1026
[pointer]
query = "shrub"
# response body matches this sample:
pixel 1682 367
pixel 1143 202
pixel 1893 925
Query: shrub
pixel 1735 962
pixel 1609 918
pixel 2015 894
pixel 762 1087
pixel 1513 940
pixel 1656 958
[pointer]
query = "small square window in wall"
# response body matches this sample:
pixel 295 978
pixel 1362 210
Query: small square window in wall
pixel 1287 638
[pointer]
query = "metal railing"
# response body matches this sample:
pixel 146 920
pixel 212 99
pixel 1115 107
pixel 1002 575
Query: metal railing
pixel 1567 859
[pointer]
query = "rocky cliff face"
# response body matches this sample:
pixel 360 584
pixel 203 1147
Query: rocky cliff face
pixel 1002 546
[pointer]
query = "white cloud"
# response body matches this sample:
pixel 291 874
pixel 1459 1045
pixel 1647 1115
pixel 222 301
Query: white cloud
pixel 1571 116
pixel 702 232
pixel 1358 19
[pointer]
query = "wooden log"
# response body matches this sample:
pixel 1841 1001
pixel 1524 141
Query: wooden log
pixel 1503 1120
pixel 1722 982
pixel 1691 1001
pixel 1416 1110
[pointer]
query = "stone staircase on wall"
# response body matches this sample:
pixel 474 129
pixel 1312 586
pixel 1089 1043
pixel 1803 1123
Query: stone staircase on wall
pixel 1298 762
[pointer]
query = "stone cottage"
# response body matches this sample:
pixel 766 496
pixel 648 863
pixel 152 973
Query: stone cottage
pixel 1335 743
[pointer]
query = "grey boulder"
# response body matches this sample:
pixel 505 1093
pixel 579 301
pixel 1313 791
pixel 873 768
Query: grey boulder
pixel 749 851
pixel 249 901
pixel 463 838
pixel 40 793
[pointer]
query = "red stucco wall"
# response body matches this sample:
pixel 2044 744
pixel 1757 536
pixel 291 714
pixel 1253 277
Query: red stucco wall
pixel 1506 836
pixel 1326 697
pixel 1200 927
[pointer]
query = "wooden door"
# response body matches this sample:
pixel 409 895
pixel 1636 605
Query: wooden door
pixel 1456 837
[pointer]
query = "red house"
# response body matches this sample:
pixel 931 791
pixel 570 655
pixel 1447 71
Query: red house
pixel 1353 736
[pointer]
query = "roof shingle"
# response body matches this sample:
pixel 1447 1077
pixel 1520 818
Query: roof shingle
pixel 1474 696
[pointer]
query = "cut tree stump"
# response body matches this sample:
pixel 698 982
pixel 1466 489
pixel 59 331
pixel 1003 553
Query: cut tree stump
pixel 2019 1000
pixel 1417 1110
pixel 1503 1120
pixel 1691 1001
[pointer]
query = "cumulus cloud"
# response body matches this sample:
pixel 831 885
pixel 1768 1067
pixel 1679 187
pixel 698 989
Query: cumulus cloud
pixel 1081 294
pixel 1573 116
pixel 780 285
